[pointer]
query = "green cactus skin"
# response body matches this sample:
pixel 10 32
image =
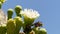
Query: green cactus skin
pixel 19 24
pixel 3 30
pixel 10 26
pixel 10 13
pixel 18 10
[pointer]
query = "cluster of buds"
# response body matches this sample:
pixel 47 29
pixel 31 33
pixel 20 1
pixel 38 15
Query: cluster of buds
pixel 29 16
pixel 24 18
pixel 14 24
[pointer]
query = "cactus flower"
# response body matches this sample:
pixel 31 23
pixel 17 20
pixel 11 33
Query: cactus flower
pixel 3 19
pixel 29 15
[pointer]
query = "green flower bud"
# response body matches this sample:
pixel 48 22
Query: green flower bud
pixel 0 5
pixel 10 13
pixel 2 1
pixel 42 31
pixel 10 26
pixel 39 30
pixel 18 10
pixel 19 24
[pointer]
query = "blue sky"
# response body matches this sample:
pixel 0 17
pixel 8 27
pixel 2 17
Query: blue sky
pixel 48 9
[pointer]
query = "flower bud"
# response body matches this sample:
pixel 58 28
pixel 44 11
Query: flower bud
pixel 10 13
pixel 2 1
pixel 0 5
pixel 17 10
pixel 39 30
pixel 42 31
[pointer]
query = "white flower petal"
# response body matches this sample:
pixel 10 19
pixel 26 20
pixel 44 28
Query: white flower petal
pixel 30 13
pixel 3 18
